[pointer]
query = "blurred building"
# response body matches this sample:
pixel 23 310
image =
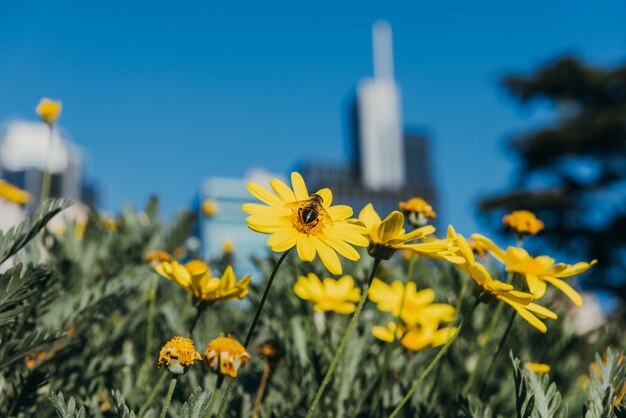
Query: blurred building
pixel 388 165
pixel 26 148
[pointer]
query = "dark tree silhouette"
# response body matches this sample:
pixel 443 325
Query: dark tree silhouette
pixel 573 174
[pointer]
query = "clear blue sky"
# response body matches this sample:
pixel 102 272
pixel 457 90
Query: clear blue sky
pixel 164 94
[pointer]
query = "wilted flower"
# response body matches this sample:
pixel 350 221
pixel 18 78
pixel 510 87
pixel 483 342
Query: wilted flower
pixel 308 222
pixel 490 288
pixel 13 193
pixel 417 211
pixel 209 207
pixel 522 222
pixel 388 235
pixel 331 295
pixel 271 351
pixel 537 271
pixel 49 110
pixel 178 354
pixel 417 307
pixel 195 277
pixel 538 367
pixel 225 355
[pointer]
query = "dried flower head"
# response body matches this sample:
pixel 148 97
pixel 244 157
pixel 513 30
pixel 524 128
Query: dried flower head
pixel 178 354
pixel 417 211
pixel 225 355
pixel 522 222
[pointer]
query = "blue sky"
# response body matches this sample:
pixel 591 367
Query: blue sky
pixel 163 95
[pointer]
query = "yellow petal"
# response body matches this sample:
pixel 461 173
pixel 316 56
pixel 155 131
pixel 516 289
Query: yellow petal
pixel 263 210
pixel 485 242
pixel 566 289
pixel 442 336
pixel 541 311
pixel 339 212
pixel 391 227
pixel 309 288
pixel 369 216
pixel 383 333
pixel 282 190
pixel 305 247
pixel 299 187
pixel 283 240
pixel 342 248
pixel 327 197
pixel 266 196
pixel 536 286
pixel 328 256
pixel 528 317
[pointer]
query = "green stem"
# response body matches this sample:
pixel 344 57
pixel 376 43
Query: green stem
pixel 200 308
pixel 385 372
pixel 45 183
pixel 259 308
pixel 434 362
pixel 481 354
pixel 152 395
pixel 495 357
pixel 216 394
pixel 168 397
pixel 344 341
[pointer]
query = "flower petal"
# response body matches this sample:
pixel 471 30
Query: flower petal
pixel 305 247
pixel 265 195
pixel 282 190
pixel 299 187
pixel 283 240
pixel 566 289
pixel 328 256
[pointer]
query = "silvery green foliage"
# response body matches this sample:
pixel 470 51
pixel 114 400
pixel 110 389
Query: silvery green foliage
pixel 123 411
pixel 66 410
pixel 547 396
pixel 606 378
pixel 196 406
pixel 524 400
pixel 472 407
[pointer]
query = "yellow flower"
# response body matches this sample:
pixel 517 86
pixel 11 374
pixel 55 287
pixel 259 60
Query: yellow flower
pixel 178 354
pixel 418 307
pixel 225 355
pixel 108 223
pixel 157 256
pixel 538 367
pixel 209 207
pixel 49 110
pixel 537 271
pixel 417 211
pixel 522 222
pixel 227 246
pixel 332 295
pixel 417 337
pixel 195 277
pixel 388 235
pixel 520 301
pixel 13 194
pixel 308 222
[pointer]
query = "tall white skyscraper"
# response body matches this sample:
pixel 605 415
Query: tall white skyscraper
pixel 380 119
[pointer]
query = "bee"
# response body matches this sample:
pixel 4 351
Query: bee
pixel 310 210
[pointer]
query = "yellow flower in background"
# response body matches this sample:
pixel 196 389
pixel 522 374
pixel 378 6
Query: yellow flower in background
pixel 178 354
pixel 157 256
pixel 330 295
pixel 538 367
pixel 537 271
pixel 522 222
pixel 388 235
pixel 522 302
pixel 417 211
pixel 195 277
pixel 108 223
pixel 418 307
pixel 308 222
pixel 13 194
pixel 49 110
pixel 414 338
pixel 209 207
pixel 228 246
pixel 225 355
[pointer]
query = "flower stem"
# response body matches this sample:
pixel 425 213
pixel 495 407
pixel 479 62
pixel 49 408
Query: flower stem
pixel 45 182
pixel 200 308
pixel 495 357
pixel 434 362
pixel 490 330
pixel 259 308
pixel 152 395
pixel 168 397
pixel 344 341
pixel 216 394
pixel 262 385
pixel 387 362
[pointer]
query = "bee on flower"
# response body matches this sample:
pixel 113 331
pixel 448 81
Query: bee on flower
pixel 178 354
pixel 225 356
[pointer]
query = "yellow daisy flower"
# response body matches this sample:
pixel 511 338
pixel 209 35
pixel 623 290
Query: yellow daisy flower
pixel 418 307
pixel 520 301
pixel 308 222
pixel 522 222
pixel 12 193
pixel 225 355
pixel 195 277
pixel 178 354
pixel 388 235
pixel 537 271
pixel 417 211
pixel 49 110
pixel 414 338
pixel 538 367
pixel 331 295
